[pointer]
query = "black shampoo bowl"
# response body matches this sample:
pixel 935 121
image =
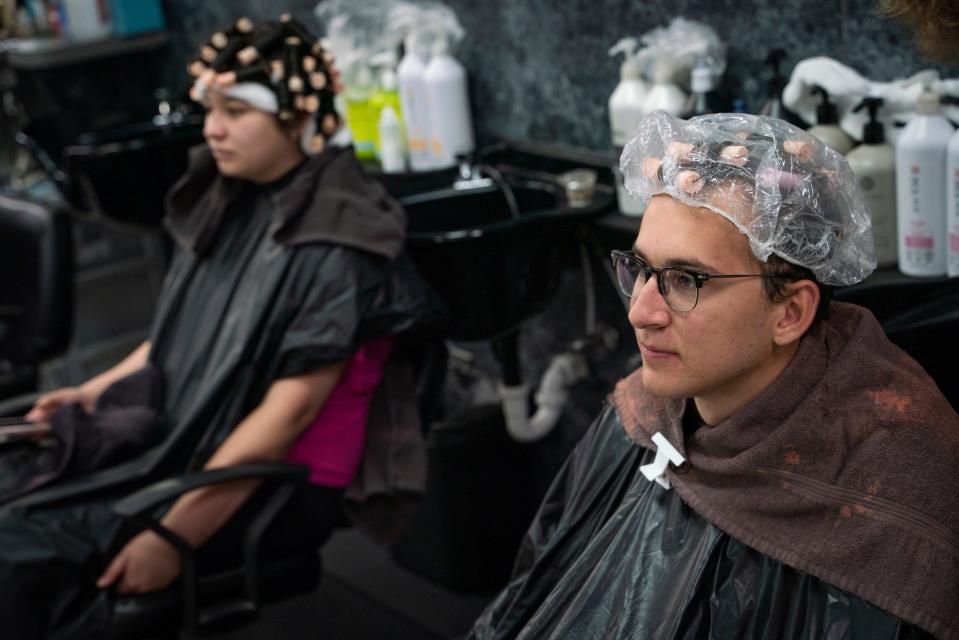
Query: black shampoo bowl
pixel 492 265
pixel 123 174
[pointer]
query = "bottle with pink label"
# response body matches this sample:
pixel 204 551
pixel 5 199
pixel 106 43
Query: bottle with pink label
pixel 952 206
pixel 921 189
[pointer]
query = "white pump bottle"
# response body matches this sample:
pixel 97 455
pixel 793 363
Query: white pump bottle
pixel 414 101
pixel 450 121
pixel 664 93
pixel 921 189
pixel 874 164
pixel 952 206
pixel 626 110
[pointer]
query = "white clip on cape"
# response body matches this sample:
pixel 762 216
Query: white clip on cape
pixel 665 453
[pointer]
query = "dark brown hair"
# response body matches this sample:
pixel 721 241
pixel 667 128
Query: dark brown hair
pixel 933 23
pixel 783 273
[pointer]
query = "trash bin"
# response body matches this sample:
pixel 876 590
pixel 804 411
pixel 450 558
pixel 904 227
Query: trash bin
pixel 482 492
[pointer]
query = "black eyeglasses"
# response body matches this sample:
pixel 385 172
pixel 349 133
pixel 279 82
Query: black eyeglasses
pixel 679 287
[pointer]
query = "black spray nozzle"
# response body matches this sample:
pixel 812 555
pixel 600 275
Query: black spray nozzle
pixel 774 59
pixel 826 112
pixel 873 132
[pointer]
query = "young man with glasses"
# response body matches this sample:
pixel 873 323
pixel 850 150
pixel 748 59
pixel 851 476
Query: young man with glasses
pixel 776 468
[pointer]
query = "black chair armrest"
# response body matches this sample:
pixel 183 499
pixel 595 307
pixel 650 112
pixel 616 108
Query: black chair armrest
pixel 143 500
pixel 138 507
pixel 18 405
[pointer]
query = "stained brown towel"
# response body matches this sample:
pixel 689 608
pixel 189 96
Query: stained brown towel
pixel 844 468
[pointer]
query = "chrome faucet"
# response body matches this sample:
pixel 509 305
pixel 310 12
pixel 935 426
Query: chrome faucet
pixel 470 175
pixel 466 167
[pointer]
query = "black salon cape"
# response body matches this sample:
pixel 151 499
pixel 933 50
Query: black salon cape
pixel 250 307
pixel 612 555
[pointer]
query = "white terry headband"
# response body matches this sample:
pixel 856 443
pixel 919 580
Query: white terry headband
pixel 254 94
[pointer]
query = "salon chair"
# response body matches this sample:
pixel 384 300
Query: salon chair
pixel 920 316
pixel 199 604
pixel 36 290
pixel 927 332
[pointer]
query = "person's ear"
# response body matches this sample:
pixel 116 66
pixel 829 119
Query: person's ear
pixel 796 312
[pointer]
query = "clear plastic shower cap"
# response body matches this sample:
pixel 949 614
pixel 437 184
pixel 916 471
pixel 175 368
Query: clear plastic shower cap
pixel 786 191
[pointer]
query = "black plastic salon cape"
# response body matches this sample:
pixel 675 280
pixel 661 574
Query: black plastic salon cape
pixel 230 321
pixel 612 555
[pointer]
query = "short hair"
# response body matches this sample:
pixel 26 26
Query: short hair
pixel 782 273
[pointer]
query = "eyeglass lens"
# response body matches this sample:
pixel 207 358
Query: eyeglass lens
pixel 677 287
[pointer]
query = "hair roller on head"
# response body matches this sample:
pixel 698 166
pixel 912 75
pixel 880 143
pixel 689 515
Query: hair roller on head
pixel 208 54
pixel 219 39
pixel 800 148
pixel 201 84
pixel 287 110
pixel 787 192
pixel 651 169
pixel 243 25
pixel 196 68
pixel 291 60
pixel 257 73
pixel 297 29
pixel 736 154
pixel 227 55
pixel 263 46
pixel 318 81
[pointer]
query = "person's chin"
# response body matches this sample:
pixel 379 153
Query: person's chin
pixel 231 170
pixel 225 166
pixel 663 385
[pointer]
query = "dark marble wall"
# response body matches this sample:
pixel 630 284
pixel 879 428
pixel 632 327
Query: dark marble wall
pixel 539 68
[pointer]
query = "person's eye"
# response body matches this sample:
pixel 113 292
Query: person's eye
pixel 683 281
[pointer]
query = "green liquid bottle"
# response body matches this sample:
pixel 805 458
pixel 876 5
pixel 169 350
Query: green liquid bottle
pixel 362 116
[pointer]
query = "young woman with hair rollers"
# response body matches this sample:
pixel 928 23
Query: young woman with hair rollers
pixel 278 313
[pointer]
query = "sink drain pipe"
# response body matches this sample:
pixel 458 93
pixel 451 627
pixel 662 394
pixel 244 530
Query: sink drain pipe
pixel 564 369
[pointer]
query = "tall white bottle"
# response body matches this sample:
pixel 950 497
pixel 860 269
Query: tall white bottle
pixel 952 206
pixel 414 101
pixel 451 125
pixel 626 110
pixel 921 189
pixel 664 94
pixel 874 164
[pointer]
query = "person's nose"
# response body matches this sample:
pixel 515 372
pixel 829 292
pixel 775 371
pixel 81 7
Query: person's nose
pixel 647 306
pixel 213 126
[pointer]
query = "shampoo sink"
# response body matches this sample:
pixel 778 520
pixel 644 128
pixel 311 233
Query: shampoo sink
pixel 124 173
pixel 494 252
